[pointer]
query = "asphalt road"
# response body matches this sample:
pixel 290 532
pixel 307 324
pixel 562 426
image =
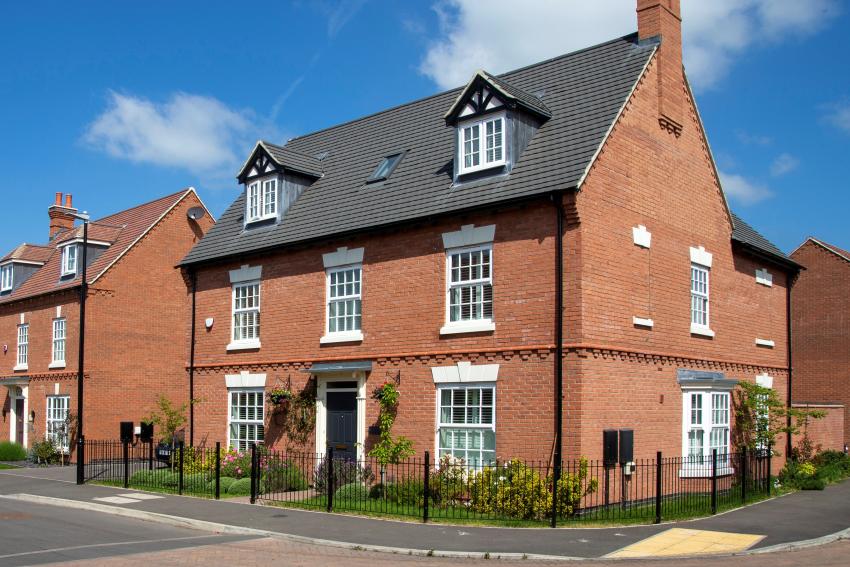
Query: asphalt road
pixel 33 534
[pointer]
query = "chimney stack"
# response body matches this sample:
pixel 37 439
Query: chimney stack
pixel 663 18
pixel 60 216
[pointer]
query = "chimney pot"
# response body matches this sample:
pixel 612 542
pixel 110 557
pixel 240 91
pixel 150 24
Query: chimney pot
pixel 58 199
pixel 68 201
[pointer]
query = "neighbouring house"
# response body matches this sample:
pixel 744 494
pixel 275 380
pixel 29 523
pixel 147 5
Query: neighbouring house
pixel 432 244
pixel 820 324
pixel 135 338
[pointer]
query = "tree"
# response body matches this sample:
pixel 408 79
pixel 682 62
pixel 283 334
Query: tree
pixel 760 416
pixel 169 418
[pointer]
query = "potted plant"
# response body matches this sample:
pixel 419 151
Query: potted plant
pixel 280 396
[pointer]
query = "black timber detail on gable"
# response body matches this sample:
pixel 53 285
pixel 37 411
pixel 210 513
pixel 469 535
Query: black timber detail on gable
pixel 281 159
pixel 483 88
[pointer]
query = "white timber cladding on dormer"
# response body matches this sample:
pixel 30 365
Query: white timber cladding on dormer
pixel 343 257
pixel 474 104
pixel 261 166
pixel 469 235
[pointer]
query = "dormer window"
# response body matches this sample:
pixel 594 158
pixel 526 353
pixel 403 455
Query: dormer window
pixel 262 200
pixel 69 260
pixel 482 144
pixel 6 279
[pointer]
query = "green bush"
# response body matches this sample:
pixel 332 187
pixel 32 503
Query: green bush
pixel 44 452
pixel 10 451
pixel 409 492
pixel 144 478
pixel 195 481
pixel 281 475
pixel 166 479
pixel 236 464
pixel 240 487
pixel 224 484
pixel 351 491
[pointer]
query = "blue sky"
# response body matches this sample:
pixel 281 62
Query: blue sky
pixel 119 103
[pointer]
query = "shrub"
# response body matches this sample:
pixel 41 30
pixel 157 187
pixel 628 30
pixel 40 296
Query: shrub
pixel 410 492
pixel 44 452
pixel 10 451
pixel 281 475
pixel 166 479
pixel 240 487
pixel 195 481
pixel 448 484
pixel 224 483
pixel 144 478
pixel 344 472
pixel 351 492
pixel 198 460
pixel 236 464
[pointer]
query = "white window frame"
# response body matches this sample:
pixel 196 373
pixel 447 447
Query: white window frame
pixel 59 343
pixel 468 325
pixel 256 422
pixel 440 424
pixel 245 343
pixel 69 261
pixel 350 334
pixel 711 419
pixel 483 163
pixel 22 358
pixel 700 328
pixel 256 205
pixel 56 414
pixel 7 281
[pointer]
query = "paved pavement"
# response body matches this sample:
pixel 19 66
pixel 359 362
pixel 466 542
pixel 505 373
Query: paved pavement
pixel 799 516
pixel 270 551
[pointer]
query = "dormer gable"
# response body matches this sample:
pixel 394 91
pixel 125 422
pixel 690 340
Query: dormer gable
pixel 270 159
pixel 17 266
pixel 485 93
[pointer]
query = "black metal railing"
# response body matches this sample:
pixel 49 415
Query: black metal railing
pixel 513 492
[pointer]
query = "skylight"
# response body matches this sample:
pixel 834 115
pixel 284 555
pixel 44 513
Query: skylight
pixel 385 168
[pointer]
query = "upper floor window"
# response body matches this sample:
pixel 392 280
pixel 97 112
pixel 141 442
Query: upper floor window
pixel 262 199
pixel 23 346
pixel 6 281
pixel 69 260
pixel 470 295
pixel 699 295
pixel 246 313
pixel 58 341
pixel 344 300
pixel 482 144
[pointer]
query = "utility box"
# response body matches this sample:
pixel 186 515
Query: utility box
pixel 627 446
pixel 146 434
pixel 126 431
pixel 610 447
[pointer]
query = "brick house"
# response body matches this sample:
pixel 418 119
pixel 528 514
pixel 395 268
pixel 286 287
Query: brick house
pixel 431 244
pixel 820 327
pixel 136 297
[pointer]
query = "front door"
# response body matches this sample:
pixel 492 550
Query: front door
pixel 342 424
pixel 19 420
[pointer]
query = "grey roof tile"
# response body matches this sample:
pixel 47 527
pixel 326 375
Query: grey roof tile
pixel 747 235
pixel 585 92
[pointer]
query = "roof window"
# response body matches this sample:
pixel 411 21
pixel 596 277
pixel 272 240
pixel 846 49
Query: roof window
pixel 385 168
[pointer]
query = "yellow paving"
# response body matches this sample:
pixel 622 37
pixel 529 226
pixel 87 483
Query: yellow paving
pixel 678 541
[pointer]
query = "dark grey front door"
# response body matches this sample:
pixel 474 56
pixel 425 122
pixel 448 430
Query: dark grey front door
pixel 342 424
pixel 19 420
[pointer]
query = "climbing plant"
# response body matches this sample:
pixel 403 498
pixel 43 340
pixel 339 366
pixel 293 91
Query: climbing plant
pixel 389 450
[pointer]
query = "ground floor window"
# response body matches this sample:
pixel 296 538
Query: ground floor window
pixel 466 426
pixel 245 417
pixel 706 429
pixel 57 416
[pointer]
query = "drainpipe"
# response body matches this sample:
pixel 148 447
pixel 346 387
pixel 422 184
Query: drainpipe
pixel 791 280
pixel 194 277
pixel 557 200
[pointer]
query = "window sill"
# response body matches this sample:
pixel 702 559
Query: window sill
pixel 480 168
pixel 344 337
pixel 705 472
pixel 243 345
pixel 468 327
pixel 20 368
pixel 702 331
pixel 55 365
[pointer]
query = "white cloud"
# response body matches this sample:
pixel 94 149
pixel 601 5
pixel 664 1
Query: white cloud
pixel 509 34
pixel 740 189
pixel 341 14
pixel 197 133
pixel 749 139
pixel 783 164
pixel 839 116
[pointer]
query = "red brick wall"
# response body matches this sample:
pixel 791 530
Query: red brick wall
pixel 826 432
pixel 820 315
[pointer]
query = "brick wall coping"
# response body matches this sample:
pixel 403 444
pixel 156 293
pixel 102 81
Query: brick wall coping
pixel 815 405
pixel 573 347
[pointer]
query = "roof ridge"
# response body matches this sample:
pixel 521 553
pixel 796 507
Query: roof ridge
pixel 145 204
pixel 840 252
pixel 458 88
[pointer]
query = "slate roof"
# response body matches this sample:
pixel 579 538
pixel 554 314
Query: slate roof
pixel 512 94
pixel 745 234
pixel 122 230
pixel 584 91
pixel 289 159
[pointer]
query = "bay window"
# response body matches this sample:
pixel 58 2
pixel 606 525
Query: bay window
pixel 706 422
